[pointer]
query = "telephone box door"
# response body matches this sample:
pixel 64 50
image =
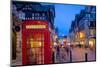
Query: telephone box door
pixel 36 47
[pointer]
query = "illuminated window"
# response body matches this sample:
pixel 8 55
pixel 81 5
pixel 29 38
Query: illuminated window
pixel 37 18
pixel 36 14
pixel 92 32
pixel 82 35
pixel 82 43
pixel 43 14
pixel 32 14
pixel 26 18
pixel 43 18
pixel 33 17
pixel 92 42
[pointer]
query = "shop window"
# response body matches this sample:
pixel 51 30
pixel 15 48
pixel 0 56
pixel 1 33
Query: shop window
pixel 92 32
pixel 92 43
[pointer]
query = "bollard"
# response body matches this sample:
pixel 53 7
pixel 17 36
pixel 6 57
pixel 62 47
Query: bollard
pixel 86 57
pixel 53 57
pixel 70 56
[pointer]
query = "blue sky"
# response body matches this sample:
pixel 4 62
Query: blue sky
pixel 64 16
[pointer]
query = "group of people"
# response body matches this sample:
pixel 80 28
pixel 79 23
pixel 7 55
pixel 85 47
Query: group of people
pixel 62 53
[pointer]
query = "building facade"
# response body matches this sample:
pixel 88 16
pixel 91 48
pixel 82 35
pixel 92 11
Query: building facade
pixel 33 15
pixel 83 28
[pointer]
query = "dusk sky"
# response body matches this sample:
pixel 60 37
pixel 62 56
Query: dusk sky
pixel 65 14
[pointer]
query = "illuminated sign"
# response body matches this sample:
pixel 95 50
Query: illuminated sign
pixel 35 26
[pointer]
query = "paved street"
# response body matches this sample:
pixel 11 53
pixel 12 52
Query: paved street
pixel 62 56
pixel 78 54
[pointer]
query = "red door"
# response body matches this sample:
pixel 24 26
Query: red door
pixel 36 44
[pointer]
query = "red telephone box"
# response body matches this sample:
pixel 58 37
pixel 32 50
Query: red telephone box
pixel 36 43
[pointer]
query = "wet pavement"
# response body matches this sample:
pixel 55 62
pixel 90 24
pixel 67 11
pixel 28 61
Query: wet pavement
pixel 75 55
